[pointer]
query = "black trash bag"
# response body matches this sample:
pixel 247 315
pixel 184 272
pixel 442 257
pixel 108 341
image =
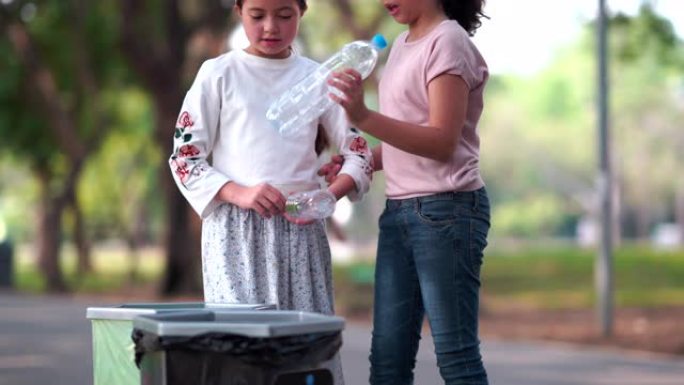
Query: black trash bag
pixel 262 352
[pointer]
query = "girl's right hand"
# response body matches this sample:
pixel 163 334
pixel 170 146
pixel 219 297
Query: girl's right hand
pixel 298 221
pixel 263 198
pixel 350 83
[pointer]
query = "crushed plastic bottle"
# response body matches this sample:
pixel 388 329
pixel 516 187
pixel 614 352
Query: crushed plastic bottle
pixel 309 205
pixel 308 99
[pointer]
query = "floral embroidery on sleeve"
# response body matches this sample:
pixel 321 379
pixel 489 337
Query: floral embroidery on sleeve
pixel 181 169
pixel 185 121
pixel 182 126
pixel 359 145
pixel 368 168
pixel 185 159
pixel 188 150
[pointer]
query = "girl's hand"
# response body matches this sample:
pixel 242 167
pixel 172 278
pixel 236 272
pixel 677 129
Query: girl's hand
pixel 263 198
pixel 298 221
pixel 331 169
pixel 350 83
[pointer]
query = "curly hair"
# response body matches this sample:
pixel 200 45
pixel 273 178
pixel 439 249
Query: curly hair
pixel 466 12
pixel 301 3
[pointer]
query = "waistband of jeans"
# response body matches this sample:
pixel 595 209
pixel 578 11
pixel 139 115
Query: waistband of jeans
pixel 458 196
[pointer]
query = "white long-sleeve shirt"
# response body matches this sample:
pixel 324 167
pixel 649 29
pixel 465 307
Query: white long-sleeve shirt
pixel 224 115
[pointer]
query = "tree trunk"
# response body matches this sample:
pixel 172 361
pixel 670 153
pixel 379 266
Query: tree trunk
pixel 49 236
pixel 136 236
pixel 643 220
pixel 679 209
pixel 133 258
pixel 616 221
pixel 43 85
pixel 181 243
pixel 81 241
pixel 161 65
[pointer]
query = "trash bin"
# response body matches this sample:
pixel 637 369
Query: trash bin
pixel 237 348
pixel 6 264
pixel 113 350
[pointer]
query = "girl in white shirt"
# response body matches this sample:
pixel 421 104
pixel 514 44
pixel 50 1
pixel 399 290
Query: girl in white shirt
pixel 251 252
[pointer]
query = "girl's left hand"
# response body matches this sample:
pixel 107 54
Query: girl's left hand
pixel 350 83
pixel 331 169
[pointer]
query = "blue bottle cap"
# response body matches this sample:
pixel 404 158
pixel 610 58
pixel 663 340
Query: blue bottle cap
pixel 310 379
pixel 379 42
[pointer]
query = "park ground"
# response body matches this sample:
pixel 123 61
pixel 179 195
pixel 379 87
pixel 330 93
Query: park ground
pixel 528 293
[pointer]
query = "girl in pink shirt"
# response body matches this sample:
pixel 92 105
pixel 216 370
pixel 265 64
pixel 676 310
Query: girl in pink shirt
pixel 434 227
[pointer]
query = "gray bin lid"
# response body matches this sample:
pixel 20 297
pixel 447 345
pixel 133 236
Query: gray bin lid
pixel 126 312
pixel 265 323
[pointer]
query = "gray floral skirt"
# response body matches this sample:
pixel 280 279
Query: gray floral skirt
pixel 250 259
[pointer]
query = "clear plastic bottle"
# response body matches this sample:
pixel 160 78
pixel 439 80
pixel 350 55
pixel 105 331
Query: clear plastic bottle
pixel 308 205
pixel 308 99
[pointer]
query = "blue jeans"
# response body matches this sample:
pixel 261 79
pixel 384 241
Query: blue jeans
pixel 428 262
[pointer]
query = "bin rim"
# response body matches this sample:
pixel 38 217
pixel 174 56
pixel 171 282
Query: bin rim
pixel 127 312
pixel 204 322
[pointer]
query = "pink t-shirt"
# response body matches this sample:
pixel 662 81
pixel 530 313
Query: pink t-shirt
pixel 447 49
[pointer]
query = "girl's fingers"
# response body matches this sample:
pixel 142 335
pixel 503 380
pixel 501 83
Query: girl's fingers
pixel 339 84
pixel 261 210
pixel 267 204
pixel 354 75
pixel 272 198
pixel 298 221
pixel 345 82
pixel 278 199
pixel 326 168
pixel 333 167
pixel 271 204
pixel 338 100
pixel 349 73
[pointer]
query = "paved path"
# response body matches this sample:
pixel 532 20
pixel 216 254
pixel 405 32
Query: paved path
pixel 47 340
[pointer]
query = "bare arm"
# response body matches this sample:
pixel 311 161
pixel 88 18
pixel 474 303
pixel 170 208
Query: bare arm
pixel 332 169
pixel 377 158
pixel 448 102
pixel 342 185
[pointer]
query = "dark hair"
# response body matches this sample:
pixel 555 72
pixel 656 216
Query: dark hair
pixel 322 142
pixel 467 12
pixel 301 3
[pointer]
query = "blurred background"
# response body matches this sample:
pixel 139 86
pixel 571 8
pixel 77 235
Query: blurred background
pixel 90 91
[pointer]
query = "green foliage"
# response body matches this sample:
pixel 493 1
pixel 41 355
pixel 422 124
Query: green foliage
pixel 549 277
pixel 647 35
pixel 18 194
pixel 324 31
pixel 23 130
pixel 353 288
pixel 646 81
pixel 535 215
pixel 71 41
pixel 563 277
pixel 111 273
pixel 130 161
pixel 78 44
pixel 539 132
